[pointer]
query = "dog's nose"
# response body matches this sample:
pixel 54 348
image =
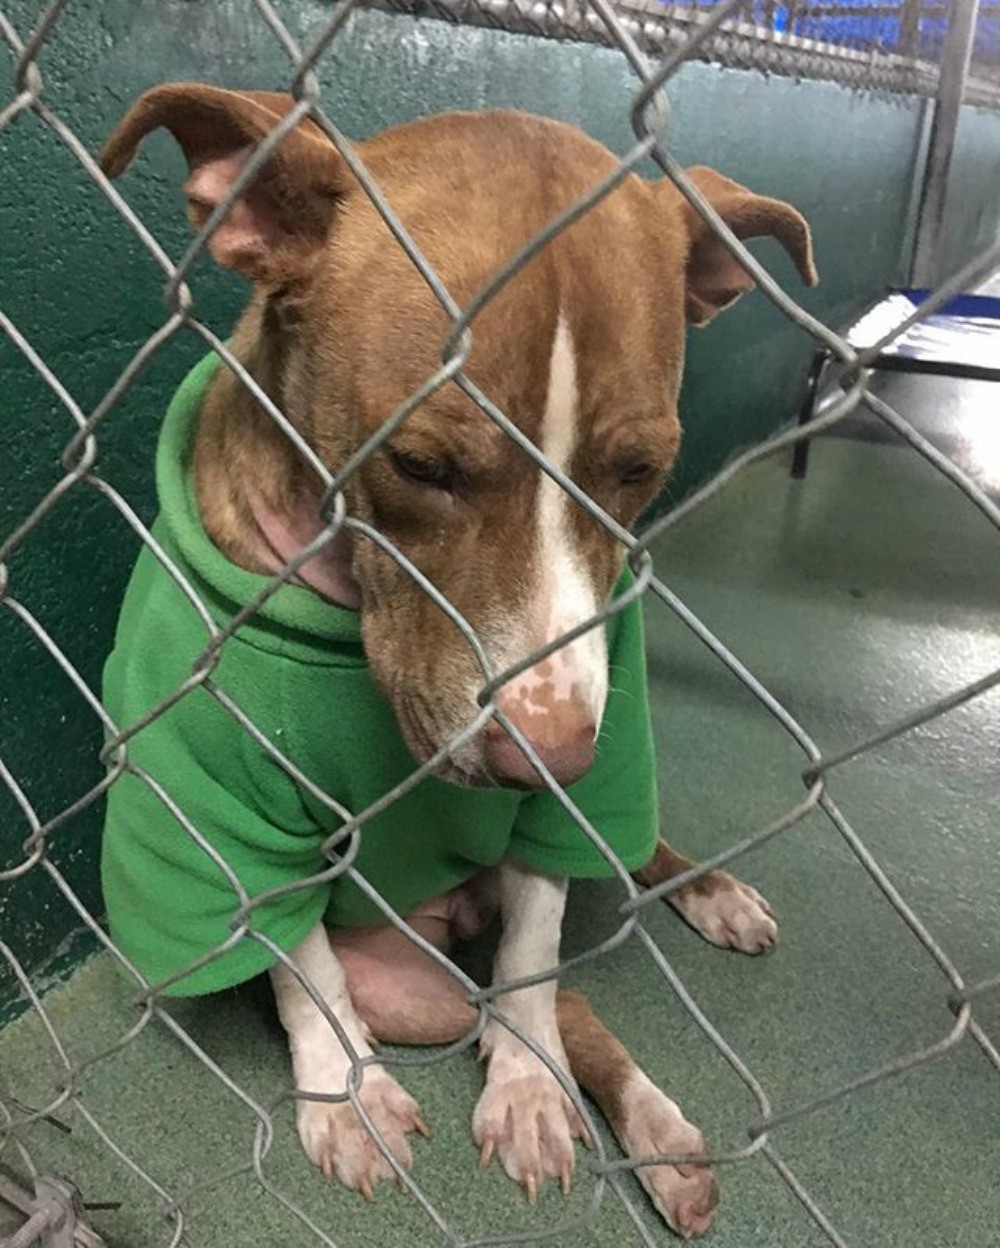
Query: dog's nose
pixel 567 757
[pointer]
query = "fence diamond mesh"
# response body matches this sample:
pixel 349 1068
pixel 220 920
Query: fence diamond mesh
pixel 54 1207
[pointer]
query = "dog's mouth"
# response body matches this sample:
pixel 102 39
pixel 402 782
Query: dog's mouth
pixel 451 773
pixel 461 767
pixel 466 763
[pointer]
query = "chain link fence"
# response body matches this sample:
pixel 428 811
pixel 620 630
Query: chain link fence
pixel 894 47
pixel 53 1208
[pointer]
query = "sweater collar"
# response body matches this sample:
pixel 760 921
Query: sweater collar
pixel 293 617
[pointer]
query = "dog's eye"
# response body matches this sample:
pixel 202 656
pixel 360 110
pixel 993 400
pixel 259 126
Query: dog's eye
pixel 638 473
pixel 423 470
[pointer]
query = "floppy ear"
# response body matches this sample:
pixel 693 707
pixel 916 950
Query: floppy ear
pixel 715 279
pixel 283 216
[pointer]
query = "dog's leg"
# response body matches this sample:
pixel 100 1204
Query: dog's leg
pixel 404 997
pixel 645 1121
pixel 720 907
pixel 524 1114
pixel 332 1134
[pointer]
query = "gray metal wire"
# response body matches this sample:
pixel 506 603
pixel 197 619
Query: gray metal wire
pixel 673 36
pixel 756 41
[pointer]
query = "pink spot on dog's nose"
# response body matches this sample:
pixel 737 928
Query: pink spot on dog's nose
pixel 563 737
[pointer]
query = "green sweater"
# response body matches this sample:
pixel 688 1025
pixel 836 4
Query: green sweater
pixel 297 669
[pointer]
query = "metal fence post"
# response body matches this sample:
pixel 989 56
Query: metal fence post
pixel 909 27
pixel 955 60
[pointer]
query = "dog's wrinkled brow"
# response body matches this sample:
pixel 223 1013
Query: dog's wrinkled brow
pixel 464 435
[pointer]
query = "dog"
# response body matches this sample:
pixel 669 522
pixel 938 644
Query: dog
pixel 354 671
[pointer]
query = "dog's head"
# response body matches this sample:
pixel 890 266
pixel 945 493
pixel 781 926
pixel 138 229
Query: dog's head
pixel 582 350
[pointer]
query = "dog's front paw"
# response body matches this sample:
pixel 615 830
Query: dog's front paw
pixel 727 912
pixel 336 1139
pixel 685 1195
pixel 525 1117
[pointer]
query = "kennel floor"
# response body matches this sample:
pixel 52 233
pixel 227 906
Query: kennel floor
pixel 856 595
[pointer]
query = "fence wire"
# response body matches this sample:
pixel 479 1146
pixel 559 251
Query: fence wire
pixel 80 462
pixel 893 47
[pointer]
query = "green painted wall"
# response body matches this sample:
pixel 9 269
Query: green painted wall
pixel 86 295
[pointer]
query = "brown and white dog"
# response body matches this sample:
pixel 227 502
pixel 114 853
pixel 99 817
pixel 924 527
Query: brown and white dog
pixel 584 352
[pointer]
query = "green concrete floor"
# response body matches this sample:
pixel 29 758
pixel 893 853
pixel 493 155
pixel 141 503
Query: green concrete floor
pixel 855 595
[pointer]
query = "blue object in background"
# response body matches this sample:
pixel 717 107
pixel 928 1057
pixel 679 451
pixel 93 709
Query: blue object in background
pixel 877 25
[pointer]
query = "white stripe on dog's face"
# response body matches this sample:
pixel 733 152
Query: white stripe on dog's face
pixel 563 594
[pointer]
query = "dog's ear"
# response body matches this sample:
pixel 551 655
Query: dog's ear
pixel 283 216
pixel 715 279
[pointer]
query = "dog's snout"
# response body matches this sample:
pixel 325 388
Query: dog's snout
pixel 566 755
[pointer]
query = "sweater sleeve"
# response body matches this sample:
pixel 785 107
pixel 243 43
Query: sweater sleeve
pixel 619 793
pixel 223 822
